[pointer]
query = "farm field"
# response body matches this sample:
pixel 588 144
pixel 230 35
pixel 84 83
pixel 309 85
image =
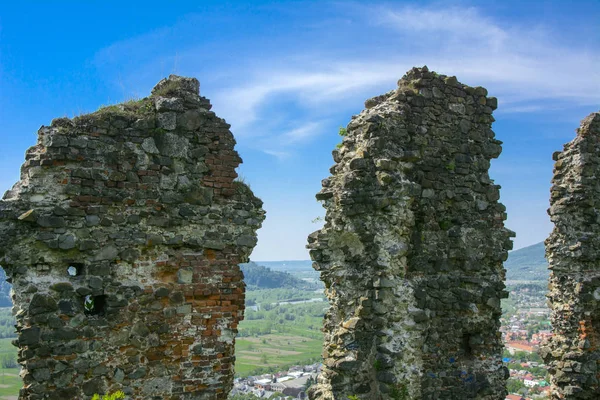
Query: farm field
pixel 281 328
pixel 10 382
pixel 275 351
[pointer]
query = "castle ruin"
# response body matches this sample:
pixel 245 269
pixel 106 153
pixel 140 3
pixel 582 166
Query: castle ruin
pixel 412 248
pixel 573 252
pixel 122 241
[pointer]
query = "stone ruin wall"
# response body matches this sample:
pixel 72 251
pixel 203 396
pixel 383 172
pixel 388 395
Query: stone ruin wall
pixel 573 252
pixel 139 201
pixel 412 248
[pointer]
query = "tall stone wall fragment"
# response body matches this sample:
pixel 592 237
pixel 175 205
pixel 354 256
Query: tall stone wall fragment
pixel 412 248
pixel 573 252
pixel 122 240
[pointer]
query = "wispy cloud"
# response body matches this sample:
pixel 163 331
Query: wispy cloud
pixel 282 145
pixel 466 24
pixel 314 84
pixel 281 155
pixel 519 63
pixel 527 68
pixel 302 133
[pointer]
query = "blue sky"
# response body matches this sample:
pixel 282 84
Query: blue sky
pixel 287 75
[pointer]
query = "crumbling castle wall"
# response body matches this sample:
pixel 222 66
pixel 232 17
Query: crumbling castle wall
pixel 412 249
pixel 573 252
pixel 122 240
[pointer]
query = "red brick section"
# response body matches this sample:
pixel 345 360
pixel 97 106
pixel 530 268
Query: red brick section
pixel 216 299
pixel 222 164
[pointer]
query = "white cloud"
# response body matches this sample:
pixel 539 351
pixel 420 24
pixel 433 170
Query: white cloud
pixel 526 67
pixel 312 85
pixel 303 133
pixel 520 63
pixel 526 70
pixel 281 155
pixel 466 24
pixel 282 145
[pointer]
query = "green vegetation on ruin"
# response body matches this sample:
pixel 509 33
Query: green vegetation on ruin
pixel 242 187
pixel 131 108
pixel 168 88
pixel 114 396
pixel 343 132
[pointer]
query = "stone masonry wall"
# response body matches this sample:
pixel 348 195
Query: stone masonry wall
pixel 573 252
pixel 122 241
pixel 412 248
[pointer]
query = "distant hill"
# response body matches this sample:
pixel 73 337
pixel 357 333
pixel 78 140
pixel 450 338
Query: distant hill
pixel 527 264
pixel 260 277
pixel 5 300
pixel 289 265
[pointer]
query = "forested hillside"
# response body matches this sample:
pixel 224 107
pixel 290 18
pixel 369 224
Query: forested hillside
pixel 260 277
pixel 527 264
pixel 7 321
pixel 4 290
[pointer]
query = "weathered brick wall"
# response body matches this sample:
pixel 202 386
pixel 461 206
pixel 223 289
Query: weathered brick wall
pixel 573 252
pixel 412 249
pixel 140 201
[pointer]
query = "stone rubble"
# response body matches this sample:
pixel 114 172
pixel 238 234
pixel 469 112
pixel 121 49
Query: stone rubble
pixel 412 248
pixel 134 211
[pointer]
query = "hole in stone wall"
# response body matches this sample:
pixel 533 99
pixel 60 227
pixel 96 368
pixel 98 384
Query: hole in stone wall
pixel 466 345
pixel 75 269
pixel 94 305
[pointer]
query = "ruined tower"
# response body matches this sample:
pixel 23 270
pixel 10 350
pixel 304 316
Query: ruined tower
pixel 412 248
pixel 122 240
pixel 573 252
